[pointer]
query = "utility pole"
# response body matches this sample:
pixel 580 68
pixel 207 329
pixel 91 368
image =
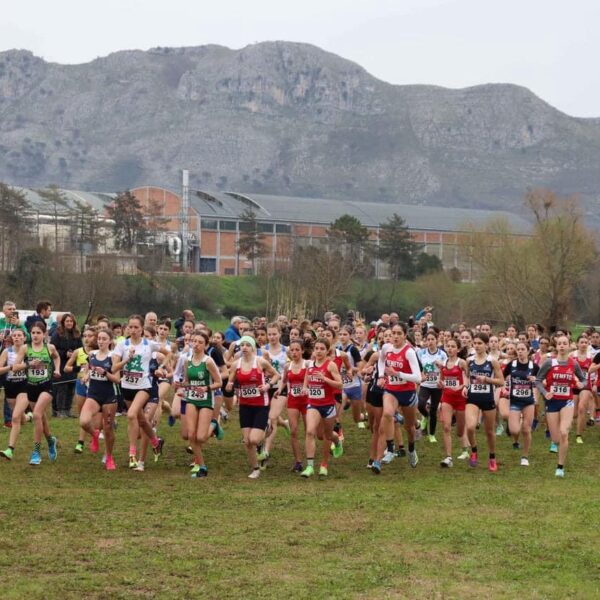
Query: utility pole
pixel 183 220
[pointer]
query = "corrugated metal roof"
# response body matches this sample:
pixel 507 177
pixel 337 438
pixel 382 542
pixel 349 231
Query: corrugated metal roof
pixel 97 201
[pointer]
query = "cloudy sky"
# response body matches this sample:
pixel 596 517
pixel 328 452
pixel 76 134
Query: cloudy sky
pixel 550 46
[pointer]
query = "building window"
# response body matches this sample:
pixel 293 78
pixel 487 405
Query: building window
pixel 208 265
pixel 206 224
pixel 282 228
pixel 265 227
pixel 227 225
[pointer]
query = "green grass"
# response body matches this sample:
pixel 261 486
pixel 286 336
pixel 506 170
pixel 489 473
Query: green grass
pixel 72 530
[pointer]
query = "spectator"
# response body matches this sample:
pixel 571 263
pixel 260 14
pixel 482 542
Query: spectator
pixel 66 340
pixel 233 332
pixel 43 310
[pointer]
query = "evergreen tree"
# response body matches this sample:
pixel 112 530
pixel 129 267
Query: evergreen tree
pixel 398 249
pixel 128 217
pixel 252 242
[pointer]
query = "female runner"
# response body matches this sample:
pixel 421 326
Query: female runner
pixel 201 380
pixel 452 382
pixel 584 398
pixel 248 373
pixel 133 356
pixel 321 382
pixel 101 399
pixel 15 387
pixel 399 369
pixel 555 381
pixel 521 373
pixel 484 374
pixel 352 391
pixel 293 377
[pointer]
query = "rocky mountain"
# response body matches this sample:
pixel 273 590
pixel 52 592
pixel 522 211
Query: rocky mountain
pixel 286 118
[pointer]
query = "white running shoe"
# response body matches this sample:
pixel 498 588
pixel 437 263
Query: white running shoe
pixel 388 457
pixel 447 462
pixel 140 467
pixel 524 461
pixel 255 474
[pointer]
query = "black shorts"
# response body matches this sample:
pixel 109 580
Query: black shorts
pixel 375 397
pixel 13 388
pixel 327 412
pixel 485 403
pixel 427 393
pixel 225 392
pixel 103 398
pixel 254 417
pixel 34 390
pixel 129 394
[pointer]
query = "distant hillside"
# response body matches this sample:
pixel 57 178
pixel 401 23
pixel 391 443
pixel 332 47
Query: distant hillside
pixel 283 118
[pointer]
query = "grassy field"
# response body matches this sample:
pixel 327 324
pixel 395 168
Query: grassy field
pixel 72 530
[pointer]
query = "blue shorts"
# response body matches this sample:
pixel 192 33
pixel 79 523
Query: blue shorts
pixel 101 398
pixel 80 388
pixel 326 412
pixel 553 406
pixel 353 393
pixel 405 399
pixel 519 406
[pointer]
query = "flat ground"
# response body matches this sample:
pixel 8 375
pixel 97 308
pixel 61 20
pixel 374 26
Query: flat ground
pixel 72 530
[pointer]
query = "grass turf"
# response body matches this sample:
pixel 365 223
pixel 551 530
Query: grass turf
pixel 73 530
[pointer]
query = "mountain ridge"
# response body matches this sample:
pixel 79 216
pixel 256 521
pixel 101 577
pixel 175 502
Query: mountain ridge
pixel 286 118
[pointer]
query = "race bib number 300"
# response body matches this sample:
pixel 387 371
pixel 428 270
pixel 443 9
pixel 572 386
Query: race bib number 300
pixel 250 391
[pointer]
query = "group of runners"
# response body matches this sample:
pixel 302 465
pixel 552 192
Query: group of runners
pixel 396 380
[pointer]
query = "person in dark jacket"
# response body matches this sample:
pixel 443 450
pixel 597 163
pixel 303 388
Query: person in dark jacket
pixel 66 339
pixel 43 310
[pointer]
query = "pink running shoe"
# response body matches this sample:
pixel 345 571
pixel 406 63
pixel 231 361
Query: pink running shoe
pixel 492 466
pixel 110 463
pixel 473 459
pixel 94 445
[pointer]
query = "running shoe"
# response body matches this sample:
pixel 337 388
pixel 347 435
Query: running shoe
pixel 447 462
pixel 388 457
pixel 190 450
pixel 263 464
pixel 201 472
pixel 78 448
pixel 8 424
pixel 516 446
pixel 255 474
pixel 590 422
pixel 264 455
pixel 132 461
pixel 492 465
pixel 432 439
pixel 195 468
pixel 94 445
pixel 101 435
pixel 7 454
pixel 500 429
pixel 158 449
pixel 110 463
pixel 473 459
pixel 341 434
pixel 524 461
pixel 52 448
pixel 224 414
pixel 35 459
pixel 463 455
pixel 297 468
pixel 400 452
pixel 140 467
pixel 370 464
pixel 361 425
pixel 559 472
pixel 553 448
pixel 308 472
pixel 579 440
pixel 423 423
pixel 413 459
pixel 219 431
pixel 338 450
pixel 376 467
pixel 104 459
pixel 398 418
pixel 322 471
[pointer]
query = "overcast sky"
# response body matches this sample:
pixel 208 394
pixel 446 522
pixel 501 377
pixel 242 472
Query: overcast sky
pixel 552 46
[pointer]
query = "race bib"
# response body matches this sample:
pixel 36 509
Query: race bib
pixel 452 383
pixel 521 391
pixel 395 380
pixel 346 379
pixel 132 377
pixel 316 393
pixel 249 391
pixel 97 375
pixel 431 378
pixel 38 372
pixel 561 390
pixel 296 390
pixel 196 394
pixel 480 388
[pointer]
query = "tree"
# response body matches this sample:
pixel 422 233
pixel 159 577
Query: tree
pixel 397 248
pixel 13 231
pixel 349 235
pixel 251 242
pixel 128 217
pixel 533 278
pixel 428 263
